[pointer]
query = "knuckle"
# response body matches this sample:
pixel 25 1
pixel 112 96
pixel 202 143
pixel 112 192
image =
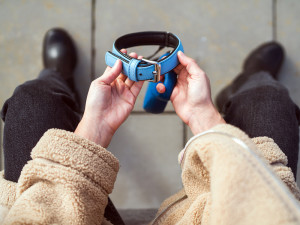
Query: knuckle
pixel 96 82
pixel 193 64
pixel 201 73
pixel 193 61
pixel 93 84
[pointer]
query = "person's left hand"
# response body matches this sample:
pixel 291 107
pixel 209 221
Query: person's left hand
pixel 110 100
pixel 191 96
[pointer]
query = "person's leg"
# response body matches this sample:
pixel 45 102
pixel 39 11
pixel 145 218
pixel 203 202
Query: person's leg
pixel 258 104
pixel 41 104
pixel 35 107
pixel 262 107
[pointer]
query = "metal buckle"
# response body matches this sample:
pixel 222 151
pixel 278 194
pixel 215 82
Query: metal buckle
pixel 156 72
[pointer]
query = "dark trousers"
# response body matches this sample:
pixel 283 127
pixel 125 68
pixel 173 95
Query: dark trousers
pixel 261 106
pixel 36 106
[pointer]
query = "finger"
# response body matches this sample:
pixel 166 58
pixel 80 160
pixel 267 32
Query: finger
pixel 123 50
pixel 162 78
pixel 190 64
pixel 127 81
pixel 160 87
pixel 178 68
pixel 136 88
pixel 122 77
pixel 133 55
pixel 111 74
pixel 183 59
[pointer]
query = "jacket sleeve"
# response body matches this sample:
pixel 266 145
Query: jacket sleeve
pixel 236 180
pixel 66 182
pixel 278 161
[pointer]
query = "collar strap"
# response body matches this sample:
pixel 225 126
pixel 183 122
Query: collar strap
pixel 144 69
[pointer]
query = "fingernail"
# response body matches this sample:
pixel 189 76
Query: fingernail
pixel 117 62
pixel 160 89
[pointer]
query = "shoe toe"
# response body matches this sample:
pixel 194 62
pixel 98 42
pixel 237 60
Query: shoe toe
pixel 267 57
pixel 59 52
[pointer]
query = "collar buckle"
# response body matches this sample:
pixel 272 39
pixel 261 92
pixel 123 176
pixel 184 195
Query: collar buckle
pixel 157 70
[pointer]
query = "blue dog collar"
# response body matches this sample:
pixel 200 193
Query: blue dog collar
pixel 144 69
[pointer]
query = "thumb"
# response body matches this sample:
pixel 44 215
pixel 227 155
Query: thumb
pixel 190 64
pixel 160 88
pixel 111 74
pixel 183 59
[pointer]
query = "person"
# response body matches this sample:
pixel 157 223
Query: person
pixel 227 176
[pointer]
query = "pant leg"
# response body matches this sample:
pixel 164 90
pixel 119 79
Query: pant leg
pixel 261 106
pixel 35 107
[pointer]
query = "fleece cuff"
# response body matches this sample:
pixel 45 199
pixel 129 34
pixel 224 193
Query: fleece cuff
pixel 7 191
pixel 77 153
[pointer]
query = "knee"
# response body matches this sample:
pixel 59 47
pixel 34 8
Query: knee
pixel 32 87
pixel 265 93
pixel 39 94
pixel 41 91
pixel 20 98
pixel 259 98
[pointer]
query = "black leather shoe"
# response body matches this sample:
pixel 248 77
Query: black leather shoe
pixel 59 52
pixel 267 57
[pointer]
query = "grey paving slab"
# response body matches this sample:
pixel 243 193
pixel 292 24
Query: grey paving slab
pixel 288 33
pixel 138 216
pixel 218 34
pixel 147 147
pixel 23 25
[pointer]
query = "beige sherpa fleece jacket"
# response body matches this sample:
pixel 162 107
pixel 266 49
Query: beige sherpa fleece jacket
pixel 66 182
pixel 230 179
pixel 227 177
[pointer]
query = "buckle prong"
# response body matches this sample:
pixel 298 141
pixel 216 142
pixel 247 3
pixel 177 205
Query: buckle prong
pixel 157 70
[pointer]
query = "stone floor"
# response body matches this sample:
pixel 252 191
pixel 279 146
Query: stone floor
pixel 218 34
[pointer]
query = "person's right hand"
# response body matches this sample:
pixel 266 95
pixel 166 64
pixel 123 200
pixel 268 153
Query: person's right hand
pixel 110 100
pixel 191 96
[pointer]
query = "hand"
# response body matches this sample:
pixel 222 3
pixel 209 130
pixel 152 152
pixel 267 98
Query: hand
pixel 191 96
pixel 110 100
